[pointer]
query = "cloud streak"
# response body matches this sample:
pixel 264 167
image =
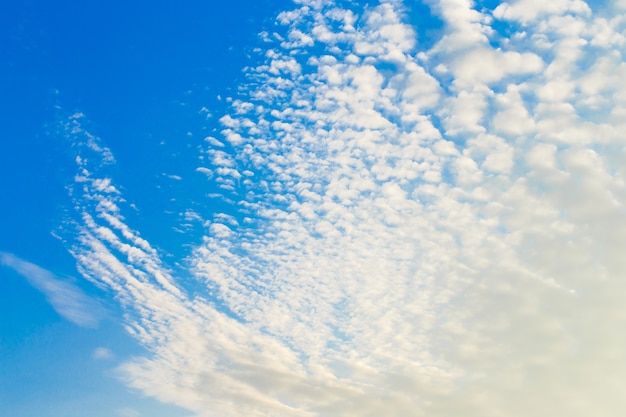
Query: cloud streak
pixel 67 299
pixel 413 232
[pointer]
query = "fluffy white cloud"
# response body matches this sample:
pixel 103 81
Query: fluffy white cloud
pixel 527 11
pixel 409 241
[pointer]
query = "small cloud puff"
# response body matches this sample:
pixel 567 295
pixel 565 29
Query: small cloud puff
pixel 102 353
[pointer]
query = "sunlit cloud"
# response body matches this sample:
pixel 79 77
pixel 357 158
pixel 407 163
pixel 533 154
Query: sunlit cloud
pixel 413 232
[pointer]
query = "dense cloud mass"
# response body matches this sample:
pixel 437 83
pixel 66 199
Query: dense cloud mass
pixel 414 230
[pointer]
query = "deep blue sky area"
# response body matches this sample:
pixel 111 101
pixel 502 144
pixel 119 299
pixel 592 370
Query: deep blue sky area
pixel 140 71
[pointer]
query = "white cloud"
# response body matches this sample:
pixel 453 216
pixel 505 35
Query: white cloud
pixel 529 10
pixel 66 298
pixel 465 27
pixel 512 117
pixel 485 66
pixel 465 112
pixel 411 242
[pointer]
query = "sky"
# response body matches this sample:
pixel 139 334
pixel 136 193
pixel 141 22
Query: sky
pixel 313 208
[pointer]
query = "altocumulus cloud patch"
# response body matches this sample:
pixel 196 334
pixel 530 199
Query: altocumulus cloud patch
pixel 412 231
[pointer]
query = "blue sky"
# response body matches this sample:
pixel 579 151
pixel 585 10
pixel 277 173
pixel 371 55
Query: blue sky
pixel 313 208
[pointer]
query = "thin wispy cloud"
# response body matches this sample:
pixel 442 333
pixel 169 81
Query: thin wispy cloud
pixel 102 353
pixel 413 232
pixel 66 298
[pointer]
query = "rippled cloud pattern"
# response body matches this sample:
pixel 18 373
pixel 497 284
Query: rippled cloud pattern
pixel 411 227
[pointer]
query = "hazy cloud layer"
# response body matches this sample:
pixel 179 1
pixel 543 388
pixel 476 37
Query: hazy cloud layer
pixel 414 232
